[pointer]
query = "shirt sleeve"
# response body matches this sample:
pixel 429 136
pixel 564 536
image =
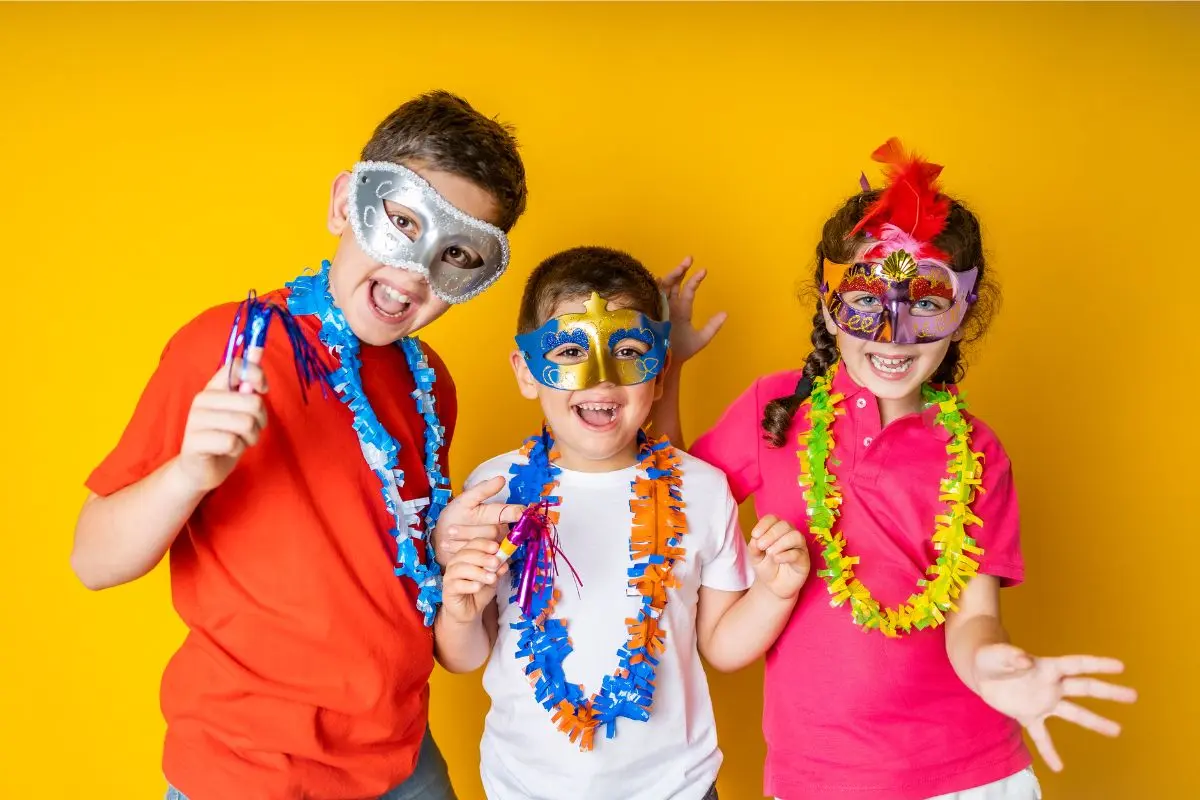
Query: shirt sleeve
pixel 732 445
pixel 154 434
pixel 997 507
pixel 730 569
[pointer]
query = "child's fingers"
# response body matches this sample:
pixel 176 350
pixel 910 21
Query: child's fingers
pixel 491 533
pixel 789 540
pixel 215 443
pixel 762 526
pixel 1086 719
pixel 252 379
pixel 688 293
pixel 460 587
pixel 768 538
pixel 1001 660
pixel 464 571
pixel 222 400
pixel 254 355
pixel 481 492
pixel 1101 690
pixel 245 426
pixel 710 329
pixel 792 554
pixel 1045 747
pixel 671 281
pixel 1080 665
pixel 473 557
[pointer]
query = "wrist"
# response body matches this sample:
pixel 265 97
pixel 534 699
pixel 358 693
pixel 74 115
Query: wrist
pixel 455 615
pixel 768 594
pixel 181 484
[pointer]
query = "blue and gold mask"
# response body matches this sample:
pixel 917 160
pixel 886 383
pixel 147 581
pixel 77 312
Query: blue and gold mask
pixel 578 351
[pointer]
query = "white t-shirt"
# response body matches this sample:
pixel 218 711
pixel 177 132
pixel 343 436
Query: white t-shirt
pixel 672 756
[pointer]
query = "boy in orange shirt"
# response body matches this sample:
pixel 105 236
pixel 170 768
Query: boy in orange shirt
pixel 305 670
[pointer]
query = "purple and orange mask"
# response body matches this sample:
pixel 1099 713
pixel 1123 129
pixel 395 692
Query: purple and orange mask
pixel 901 289
pixel 898 298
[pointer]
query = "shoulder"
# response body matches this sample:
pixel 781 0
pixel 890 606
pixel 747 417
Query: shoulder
pixel 706 487
pixel 207 330
pixel 778 384
pixel 769 387
pixel 489 469
pixel 751 403
pixel 985 440
pixel 699 473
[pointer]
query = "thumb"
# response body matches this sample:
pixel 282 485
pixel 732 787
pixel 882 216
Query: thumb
pixel 254 355
pixel 709 331
pixel 998 660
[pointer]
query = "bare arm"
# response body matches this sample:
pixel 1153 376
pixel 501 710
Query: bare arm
pixel 465 646
pixel 686 341
pixel 734 629
pixel 121 537
pixel 975 625
pixel 1027 688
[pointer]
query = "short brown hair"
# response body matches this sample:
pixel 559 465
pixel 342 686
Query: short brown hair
pixel 444 132
pixel 580 271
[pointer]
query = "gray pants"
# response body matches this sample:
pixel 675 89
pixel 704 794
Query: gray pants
pixel 429 781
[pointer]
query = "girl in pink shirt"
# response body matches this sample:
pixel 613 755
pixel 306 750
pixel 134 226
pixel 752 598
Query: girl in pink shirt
pixel 912 517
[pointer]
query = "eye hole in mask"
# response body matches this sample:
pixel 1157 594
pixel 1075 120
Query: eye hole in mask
pixel 578 351
pixel 401 221
pixel 897 300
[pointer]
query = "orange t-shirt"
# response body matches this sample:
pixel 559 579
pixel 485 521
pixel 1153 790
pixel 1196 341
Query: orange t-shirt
pixel 305 670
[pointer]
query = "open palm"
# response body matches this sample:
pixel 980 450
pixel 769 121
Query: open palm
pixel 686 339
pixel 1031 690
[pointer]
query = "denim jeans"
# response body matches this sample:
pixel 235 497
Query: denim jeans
pixel 429 781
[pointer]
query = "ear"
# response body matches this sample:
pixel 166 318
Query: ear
pixel 829 325
pixel 526 383
pixel 338 198
pixel 660 380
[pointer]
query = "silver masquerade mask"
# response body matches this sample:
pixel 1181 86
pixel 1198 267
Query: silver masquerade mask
pixel 459 255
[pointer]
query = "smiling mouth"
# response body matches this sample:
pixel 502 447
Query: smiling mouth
pixel 896 365
pixel 389 302
pixel 598 416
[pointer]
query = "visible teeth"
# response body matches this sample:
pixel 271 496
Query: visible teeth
pixel 896 366
pixel 394 294
pixel 598 406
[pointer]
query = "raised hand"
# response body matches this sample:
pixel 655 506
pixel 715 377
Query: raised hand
pixel 686 340
pixel 1031 689
pixel 470 516
pixel 471 579
pixel 224 421
pixel 779 555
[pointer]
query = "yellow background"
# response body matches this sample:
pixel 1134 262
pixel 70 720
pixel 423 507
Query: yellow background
pixel 160 159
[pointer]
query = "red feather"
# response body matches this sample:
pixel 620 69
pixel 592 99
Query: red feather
pixel 911 200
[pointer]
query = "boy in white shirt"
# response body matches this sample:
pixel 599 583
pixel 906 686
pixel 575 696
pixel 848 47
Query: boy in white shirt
pixel 653 535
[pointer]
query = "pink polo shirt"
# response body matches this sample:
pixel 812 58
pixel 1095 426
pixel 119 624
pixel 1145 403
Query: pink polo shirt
pixel 849 714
